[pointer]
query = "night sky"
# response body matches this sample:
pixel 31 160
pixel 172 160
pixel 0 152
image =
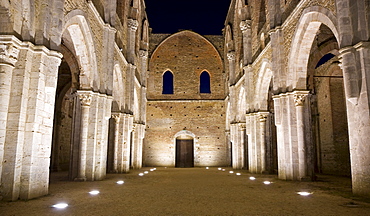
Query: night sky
pixel 205 17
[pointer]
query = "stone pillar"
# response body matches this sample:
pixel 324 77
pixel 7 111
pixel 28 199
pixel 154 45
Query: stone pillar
pixel 127 142
pixel 356 73
pixel 245 27
pixel 29 123
pixel 277 62
pixel 144 67
pixel 231 58
pixel 9 49
pixel 241 143
pixel 117 118
pixel 132 28
pixel 101 139
pixel 294 140
pixel 137 146
pixel 85 98
pixel 286 135
pixel 263 140
pixel 299 100
pixel 234 148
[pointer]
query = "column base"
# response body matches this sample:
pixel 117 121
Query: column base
pixel 80 179
pixel 306 179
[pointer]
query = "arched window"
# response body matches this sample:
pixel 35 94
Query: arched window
pixel 205 83
pixel 167 83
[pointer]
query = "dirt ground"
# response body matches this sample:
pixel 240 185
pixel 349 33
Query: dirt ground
pixel 193 191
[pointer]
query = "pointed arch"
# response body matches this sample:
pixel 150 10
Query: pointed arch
pixel 263 84
pixel 308 26
pixel 77 37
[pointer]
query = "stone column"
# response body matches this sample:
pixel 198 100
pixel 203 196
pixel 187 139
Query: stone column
pixel 132 28
pixel 234 148
pixel 356 73
pixel 231 58
pixel 263 144
pixel 144 67
pixel 245 27
pixel 137 146
pixel 29 123
pixel 9 49
pixel 85 100
pixel 241 143
pixel 127 142
pixel 277 62
pixel 117 118
pixel 299 100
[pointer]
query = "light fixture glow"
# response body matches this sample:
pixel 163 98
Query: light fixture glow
pixel 267 182
pixel 304 193
pixel 238 173
pixel 120 182
pixel 151 170
pixel 60 205
pixel 252 178
pixel 223 170
pixel 94 192
pixel 146 172
pixel 207 167
pixel 219 168
pixel 231 171
pixel 154 168
pixel 141 174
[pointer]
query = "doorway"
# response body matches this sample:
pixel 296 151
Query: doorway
pixel 184 153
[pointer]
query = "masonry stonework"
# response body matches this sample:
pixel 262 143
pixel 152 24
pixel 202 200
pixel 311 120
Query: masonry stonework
pixel 284 90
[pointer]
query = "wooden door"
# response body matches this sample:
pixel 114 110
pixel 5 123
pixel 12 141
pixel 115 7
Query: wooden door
pixel 184 153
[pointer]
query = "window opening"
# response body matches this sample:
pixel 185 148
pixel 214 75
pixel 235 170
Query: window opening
pixel 167 83
pixel 205 83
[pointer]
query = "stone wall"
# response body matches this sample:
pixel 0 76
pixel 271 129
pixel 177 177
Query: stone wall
pixel 186 54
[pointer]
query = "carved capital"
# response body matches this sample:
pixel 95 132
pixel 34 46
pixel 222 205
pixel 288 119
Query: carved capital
pixel 231 56
pixel 143 53
pixel 299 99
pixel 85 98
pixel 262 117
pixel 245 25
pixel 8 53
pixel 116 117
pixel 132 24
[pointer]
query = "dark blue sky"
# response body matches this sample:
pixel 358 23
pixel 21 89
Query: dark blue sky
pixel 205 17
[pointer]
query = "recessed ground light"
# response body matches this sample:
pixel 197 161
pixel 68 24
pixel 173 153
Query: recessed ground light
pixel 267 182
pixel 154 168
pixel 252 178
pixel 94 192
pixel 304 193
pixel 146 172
pixel 219 168
pixel 120 182
pixel 207 167
pixel 231 171
pixel 60 205
pixel 223 170
pixel 238 173
pixel 141 174
pixel 151 170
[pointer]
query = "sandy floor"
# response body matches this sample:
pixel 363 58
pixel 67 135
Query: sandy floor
pixel 193 191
